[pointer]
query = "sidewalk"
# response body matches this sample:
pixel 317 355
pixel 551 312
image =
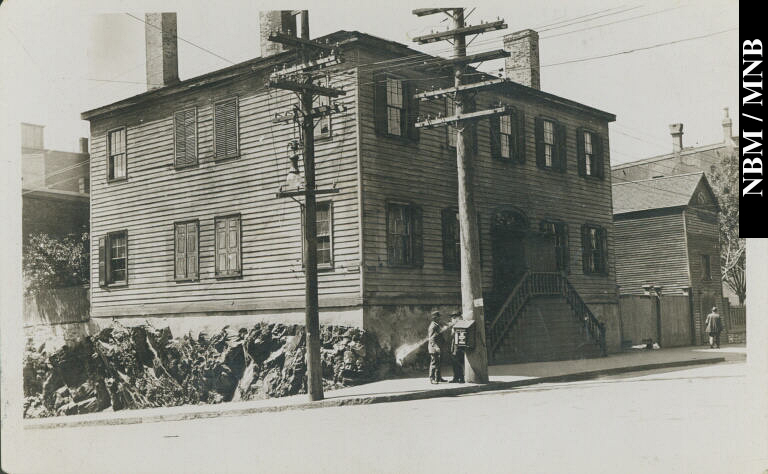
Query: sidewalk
pixel 418 388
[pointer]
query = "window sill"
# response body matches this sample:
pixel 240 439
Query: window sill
pixel 186 167
pixel 116 180
pixel 182 280
pixel 592 177
pixel 111 286
pixel 229 277
pixel 217 159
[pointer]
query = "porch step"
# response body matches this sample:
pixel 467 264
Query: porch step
pixel 546 330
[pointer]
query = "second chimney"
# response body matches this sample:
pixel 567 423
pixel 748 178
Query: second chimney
pixel 522 66
pixel 162 50
pixel 275 21
pixel 82 143
pixel 676 130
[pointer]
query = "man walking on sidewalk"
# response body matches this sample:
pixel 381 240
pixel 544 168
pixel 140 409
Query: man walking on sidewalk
pixel 434 338
pixel 714 327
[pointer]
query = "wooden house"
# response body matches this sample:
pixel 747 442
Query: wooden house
pixel 186 226
pixel 667 236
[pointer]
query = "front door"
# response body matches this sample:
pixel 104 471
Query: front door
pixel 509 262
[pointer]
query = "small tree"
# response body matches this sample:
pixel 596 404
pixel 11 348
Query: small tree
pixel 55 262
pixel 724 178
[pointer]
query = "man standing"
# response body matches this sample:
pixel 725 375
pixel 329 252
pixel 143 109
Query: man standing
pixel 434 338
pixel 714 326
pixel 457 353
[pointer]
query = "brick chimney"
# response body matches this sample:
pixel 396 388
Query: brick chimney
pixel 727 128
pixel 82 147
pixel 522 66
pixel 273 21
pixel 676 130
pixel 162 50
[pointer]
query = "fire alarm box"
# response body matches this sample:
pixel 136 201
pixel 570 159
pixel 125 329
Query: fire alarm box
pixel 464 334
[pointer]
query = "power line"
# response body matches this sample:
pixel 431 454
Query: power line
pixel 611 23
pixel 184 40
pixel 644 48
pixel 589 19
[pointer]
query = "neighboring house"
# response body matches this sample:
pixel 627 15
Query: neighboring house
pixel 683 160
pixel 667 236
pixel 55 186
pixel 55 201
pixel 185 220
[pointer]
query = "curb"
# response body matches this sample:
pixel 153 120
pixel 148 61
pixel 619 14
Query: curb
pixel 364 400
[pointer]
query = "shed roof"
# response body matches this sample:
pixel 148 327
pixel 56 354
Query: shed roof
pixel 656 193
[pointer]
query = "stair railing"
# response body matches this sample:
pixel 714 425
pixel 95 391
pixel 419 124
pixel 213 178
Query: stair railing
pixel 542 284
pixel 593 329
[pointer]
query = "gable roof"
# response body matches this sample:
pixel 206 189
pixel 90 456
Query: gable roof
pixel 344 38
pixel 657 193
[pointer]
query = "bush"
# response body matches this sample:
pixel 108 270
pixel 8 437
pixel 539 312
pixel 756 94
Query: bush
pixel 55 262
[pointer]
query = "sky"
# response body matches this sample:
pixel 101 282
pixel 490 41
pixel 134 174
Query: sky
pixel 664 62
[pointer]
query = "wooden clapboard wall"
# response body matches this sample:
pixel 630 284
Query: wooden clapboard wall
pixel 156 195
pixel 423 172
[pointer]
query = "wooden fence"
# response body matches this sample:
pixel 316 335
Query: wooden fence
pixel 58 306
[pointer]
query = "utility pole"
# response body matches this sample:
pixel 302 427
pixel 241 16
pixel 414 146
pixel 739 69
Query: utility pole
pixel 476 362
pixel 299 78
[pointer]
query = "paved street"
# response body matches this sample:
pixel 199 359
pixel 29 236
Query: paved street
pixel 657 422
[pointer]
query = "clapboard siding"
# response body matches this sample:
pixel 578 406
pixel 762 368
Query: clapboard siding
pixel 703 239
pixel 424 173
pixel 156 195
pixel 651 249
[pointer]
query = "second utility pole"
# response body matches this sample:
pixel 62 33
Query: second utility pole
pixel 472 306
pixel 476 363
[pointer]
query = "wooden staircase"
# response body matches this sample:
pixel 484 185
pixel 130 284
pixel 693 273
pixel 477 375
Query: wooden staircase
pixel 544 318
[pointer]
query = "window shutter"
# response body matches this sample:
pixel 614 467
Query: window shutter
pixel 412 111
pixel 540 142
pixel 480 239
pixel 585 252
pixel 221 246
pixel 225 129
pixel 102 261
pixel 186 147
pixel 181 251
pixel 233 245
pixel 494 125
pixel 560 147
pixel 580 153
pixel 597 150
pixel 446 217
pixel 520 135
pixel 380 103
pixel 192 252
pixel 390 239
pixel 603 251
pixel 417 238
pixel 566 248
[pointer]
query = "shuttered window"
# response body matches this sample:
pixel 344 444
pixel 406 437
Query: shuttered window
pixel 404 235
pixel 508 136
pixel 706 268
pixel 594 249
pixel 559 233
pixel 452 239
pixel 186 251
pixel 322 124
pixel 324 230
pixel 228 246
pixel 395 109
pixel 113 259
pixel 225 129
pixel 185 140
pixel 590 150
pixel 550 145
pixel 117 161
